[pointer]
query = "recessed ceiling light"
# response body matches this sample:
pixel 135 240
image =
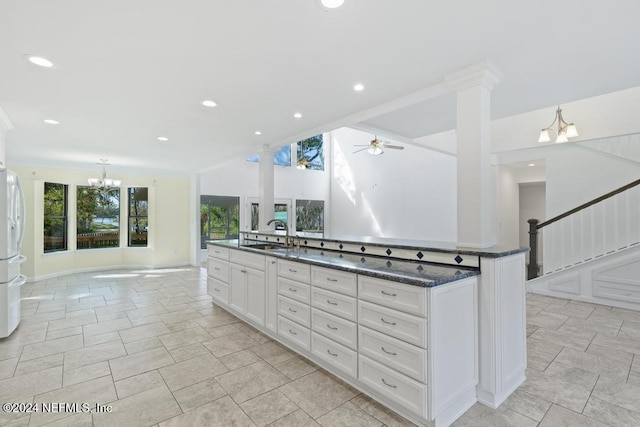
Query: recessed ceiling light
pixel 297 115
pixel 358 87
pixel 209 103
pixel 331 4
pixel 532 164
pixel 258 132
pixel 38 60
pixel 51 121
pixel 163 138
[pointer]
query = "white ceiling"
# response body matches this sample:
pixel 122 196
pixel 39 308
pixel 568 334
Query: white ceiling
pixel 129 71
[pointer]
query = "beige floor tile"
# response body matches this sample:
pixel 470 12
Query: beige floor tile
pixel 138 384
pixel 184 338
pixel 137 363
pixel 85 373
pixel 317 393
pixel 611 414
pixel 94 354
pixel 222 412
pixel 559 416
pixel 8 367
pixel 142 345
pixel 151 310
pixel 70 322
pixel 107 326
pixel 348 415
pixel 295 367
pixel 39 364
pixel 251 381
pixel 100 390
pixel 142 409
pixel 527 404
pixel 27 385
pixel 188 372
pixel 189 352
pixel 268 407
pixel 598 364
pixel 141 332
pixel 237 360
pixel 273 352
pixel 199 394
pixel 74 420
pixel 483 416
pixel 179 316
pixel 296 419
pixel 61 333
pixel 229 344
pixel 47 348
pixel 578 340
pixel 101 339
pixel 618 393
pixel 380 412
pixel 547 320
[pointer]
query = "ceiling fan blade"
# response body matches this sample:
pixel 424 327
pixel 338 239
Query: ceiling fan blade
pixel 362 149
pixel 361 145
pixel 395 147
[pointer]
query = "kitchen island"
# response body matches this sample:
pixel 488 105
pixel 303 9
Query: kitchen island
pixel 403 329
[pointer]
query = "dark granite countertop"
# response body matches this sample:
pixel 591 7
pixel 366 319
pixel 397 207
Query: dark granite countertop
pixel 410 272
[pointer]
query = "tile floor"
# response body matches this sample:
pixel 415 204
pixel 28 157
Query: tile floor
pixel 152 346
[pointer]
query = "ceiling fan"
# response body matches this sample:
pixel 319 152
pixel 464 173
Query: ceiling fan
pixel 376 146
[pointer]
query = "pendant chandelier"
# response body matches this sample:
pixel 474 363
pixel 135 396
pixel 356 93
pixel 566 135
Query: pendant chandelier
pixel 104 182
pixel 563 132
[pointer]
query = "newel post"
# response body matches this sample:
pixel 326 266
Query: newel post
pixel 532 269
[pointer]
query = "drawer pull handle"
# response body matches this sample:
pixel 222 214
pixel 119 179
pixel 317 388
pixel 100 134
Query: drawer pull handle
pixel 389 385
pixel 293 332
pixel 292 270
pixel 331 302
pixel 331 280
pixel 332 354
pixel 389 352
pixel 331 327
pixel 293 310
pixel 273 262
pixel 243 271
pixel 216 289
pixel 216 268
pixel 293 290
pixel 391 294
pixel 388 323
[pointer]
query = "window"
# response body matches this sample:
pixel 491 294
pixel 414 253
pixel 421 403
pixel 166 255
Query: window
pixel 55 217
pixel 310 153
pixel 280 211
pixel 219 218
pixel 138 216
pixel 282 157
pixel 310 218
pixel 98 218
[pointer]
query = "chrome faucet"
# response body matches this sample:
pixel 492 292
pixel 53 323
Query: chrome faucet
pixel 287 239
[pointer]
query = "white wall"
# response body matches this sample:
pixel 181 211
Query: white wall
pixel 409 194
pixel 169 214
pixel 532 205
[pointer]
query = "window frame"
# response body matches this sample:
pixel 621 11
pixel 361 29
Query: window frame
pixel 131 217
pixel 79 247
pixel 64 217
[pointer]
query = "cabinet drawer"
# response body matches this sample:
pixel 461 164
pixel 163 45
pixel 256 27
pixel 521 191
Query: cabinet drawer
pixel 295 271
pixel 407 298
pixel 295 290
pixel 338 304
pixel 334 280
pixel 218 252
pixel 336 355
pixel 394 386
pixel 218 290
pixel 218 268
pixel 294 310
pixel 405 327
pixel 294 333
pixel 247 259
pixel 334 327
pixel 403 357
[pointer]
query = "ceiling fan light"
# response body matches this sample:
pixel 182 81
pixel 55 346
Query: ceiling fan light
pixel 571 131
pixel 331 4
pixel 375 150
pixel 94 182
pixel 544 136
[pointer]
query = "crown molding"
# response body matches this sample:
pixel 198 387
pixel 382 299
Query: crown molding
pixel 483 74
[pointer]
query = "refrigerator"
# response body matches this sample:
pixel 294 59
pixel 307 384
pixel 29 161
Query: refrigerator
pixel 11 235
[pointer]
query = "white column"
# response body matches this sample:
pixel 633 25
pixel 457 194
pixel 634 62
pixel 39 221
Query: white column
pixel 266 189
pixel 476 186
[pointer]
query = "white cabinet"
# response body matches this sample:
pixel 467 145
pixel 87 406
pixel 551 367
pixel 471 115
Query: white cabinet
pixel 218 274
pixel 247 292
pixel 294 296
pixel 271 278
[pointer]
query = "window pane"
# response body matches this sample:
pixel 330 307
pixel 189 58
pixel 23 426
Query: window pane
pixel 310 217
pixel 311 153
pixel 98 218
pixel 219 218
pixel 282 157
pixel 55 217
pixel 138 216
pixel 279 212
